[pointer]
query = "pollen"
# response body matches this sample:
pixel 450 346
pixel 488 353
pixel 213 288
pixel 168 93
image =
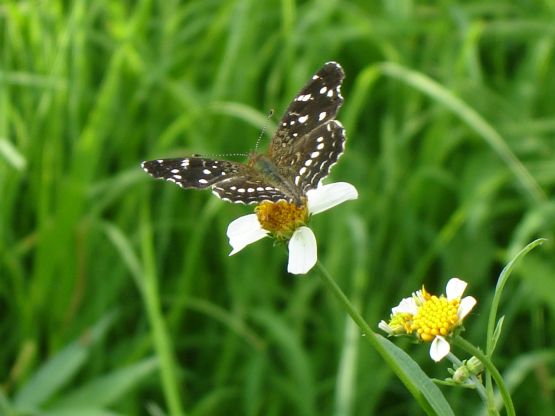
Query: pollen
pixel 281 218
pixel 400 323
pixel 436 316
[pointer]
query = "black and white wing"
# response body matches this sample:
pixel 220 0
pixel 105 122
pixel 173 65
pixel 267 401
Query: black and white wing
pixel 309 140
pixel 316 104
pixel 231 181
pixel 317 152
pixel 193 172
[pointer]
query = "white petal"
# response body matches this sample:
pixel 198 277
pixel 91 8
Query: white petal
pixel 327 196
pixel 418 297
pixel 244 231
pixel 455 288
pixel 302 251
pixel 466 305
pixel 439 349
pixel 385 327
pixel 407 305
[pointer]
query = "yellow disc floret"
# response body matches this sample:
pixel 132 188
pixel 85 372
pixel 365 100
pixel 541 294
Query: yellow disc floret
pixel 436 316
pixel 281 218
pixel 400 323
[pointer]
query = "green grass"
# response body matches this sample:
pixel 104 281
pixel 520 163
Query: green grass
pixel 117 295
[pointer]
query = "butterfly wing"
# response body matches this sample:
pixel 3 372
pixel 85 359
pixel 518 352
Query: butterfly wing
pixel 231 181
pixel 309 140
pixel 193 172
pixel 315 153
pixel 307 143
pixel 316 104
pixel 249 190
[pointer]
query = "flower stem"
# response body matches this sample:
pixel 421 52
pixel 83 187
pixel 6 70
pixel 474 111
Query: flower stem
pixel 471 349
pixel 370 336
pixel 479 387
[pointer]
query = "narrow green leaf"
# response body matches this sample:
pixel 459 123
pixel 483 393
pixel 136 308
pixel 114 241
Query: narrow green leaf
pixel 503 278
pixel 418 378
pixel 125 250
pixel 59 369
pixel 5 406
pixel 12 155
pixel 81 411
pixel 497 332
pixel 472 118
pixel 241 112
pixel 109 389
pixel 490 330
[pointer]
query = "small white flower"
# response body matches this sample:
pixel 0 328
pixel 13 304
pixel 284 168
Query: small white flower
pixel 289 224
pixel 431 318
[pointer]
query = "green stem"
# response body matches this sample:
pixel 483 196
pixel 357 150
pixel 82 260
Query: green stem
pixel 480 389
pixel 370 336
pixel 492 319
pixel 471 349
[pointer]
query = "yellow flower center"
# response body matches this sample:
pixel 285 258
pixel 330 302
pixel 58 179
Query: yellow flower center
pixel 281 218
pixel 436 316
pixel 400 323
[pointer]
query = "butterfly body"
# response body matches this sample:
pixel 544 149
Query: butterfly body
pixel 277 177
pixel 307 142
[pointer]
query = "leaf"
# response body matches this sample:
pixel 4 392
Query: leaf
pixel 12 155
pixel 419 379
pixel 503 278
pixel 497 332
pixel 59 369
pixel 81 411
pixel 108 389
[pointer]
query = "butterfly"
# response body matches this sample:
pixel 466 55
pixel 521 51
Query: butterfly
pixel 307 143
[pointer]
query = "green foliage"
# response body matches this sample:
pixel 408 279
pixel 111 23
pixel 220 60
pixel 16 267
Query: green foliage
pixel 449 117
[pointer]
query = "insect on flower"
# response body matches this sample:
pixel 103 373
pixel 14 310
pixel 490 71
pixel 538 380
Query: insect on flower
pixel 285 182
pixel 306 144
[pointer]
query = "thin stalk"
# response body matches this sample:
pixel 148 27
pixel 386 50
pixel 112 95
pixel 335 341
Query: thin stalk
pixel 471 349
pixel 478 386
pixel 370 336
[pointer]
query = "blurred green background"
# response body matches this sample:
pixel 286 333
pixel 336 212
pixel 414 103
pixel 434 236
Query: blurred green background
pixel 117 295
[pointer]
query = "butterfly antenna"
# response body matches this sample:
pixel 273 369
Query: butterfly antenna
pixel 264 127
pixel 234 154
pixel 219 155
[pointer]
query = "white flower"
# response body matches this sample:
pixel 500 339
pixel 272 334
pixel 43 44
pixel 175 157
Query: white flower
pixel 302 242
pixel 431 318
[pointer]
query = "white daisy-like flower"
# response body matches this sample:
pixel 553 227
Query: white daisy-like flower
pixel 287 222
pixel 431 318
